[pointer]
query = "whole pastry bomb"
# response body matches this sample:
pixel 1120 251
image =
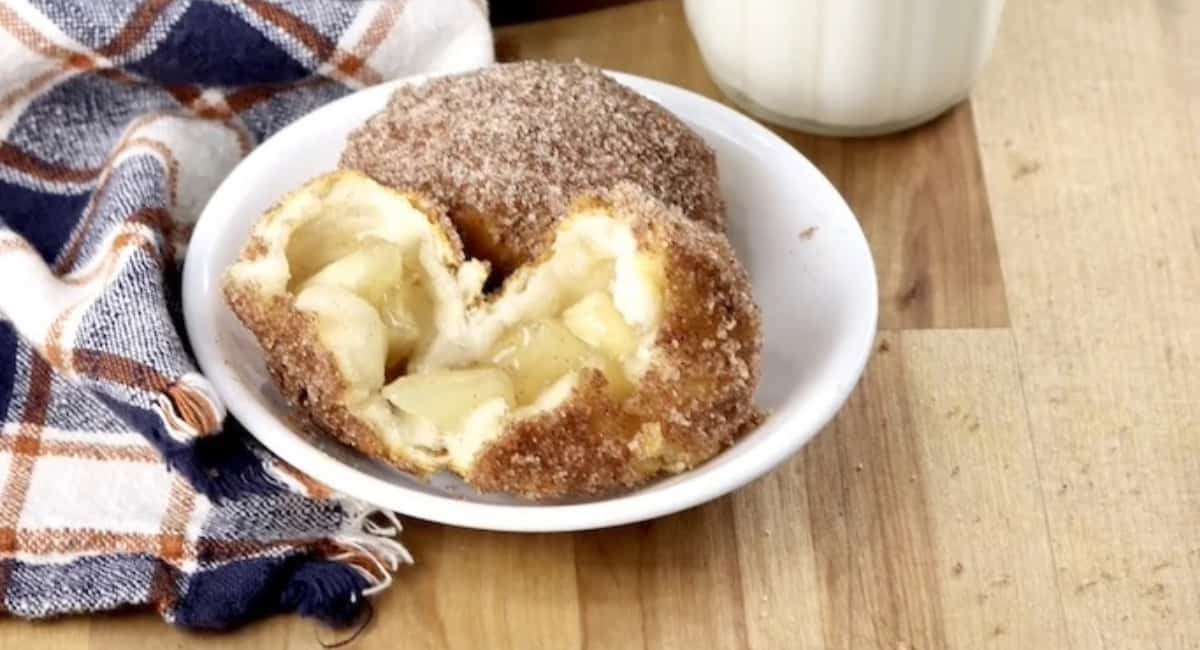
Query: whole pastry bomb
pixel 627 348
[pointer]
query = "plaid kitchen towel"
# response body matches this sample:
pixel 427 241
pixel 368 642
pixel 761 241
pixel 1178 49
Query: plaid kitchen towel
pixel 121 482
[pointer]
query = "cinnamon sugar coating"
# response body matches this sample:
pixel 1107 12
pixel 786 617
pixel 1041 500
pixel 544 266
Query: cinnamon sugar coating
pixel 507 148
pixel 696 398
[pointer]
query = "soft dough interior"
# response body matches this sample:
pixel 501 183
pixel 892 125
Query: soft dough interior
pixel 437 368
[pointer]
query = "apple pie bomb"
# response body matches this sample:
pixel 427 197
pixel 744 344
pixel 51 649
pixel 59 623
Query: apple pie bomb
pixel 630 348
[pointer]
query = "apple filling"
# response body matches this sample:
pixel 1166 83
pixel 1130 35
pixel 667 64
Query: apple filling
pixel 437 368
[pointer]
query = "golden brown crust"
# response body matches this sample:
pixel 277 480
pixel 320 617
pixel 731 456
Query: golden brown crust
pixel 576 449
pixel 304 372
pixel 508 147
pixel 701 384
pixel 698 394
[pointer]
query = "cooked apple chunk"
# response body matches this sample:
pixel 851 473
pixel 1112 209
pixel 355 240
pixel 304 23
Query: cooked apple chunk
pixel 447 397
pixel 351 330
pixel 369 271
pixel 596 321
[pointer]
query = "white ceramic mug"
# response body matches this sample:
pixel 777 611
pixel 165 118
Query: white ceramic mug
pixel 845 67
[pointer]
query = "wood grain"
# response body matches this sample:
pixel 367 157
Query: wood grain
pixel 1020 467
pixel 870 523
pixel 510 591
pixel 663 584
pixel 21 635
pixel 991 555
pixel 921 200
pixel 892 528
pixel 1097 175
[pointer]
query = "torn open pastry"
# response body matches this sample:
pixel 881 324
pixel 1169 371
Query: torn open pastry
pixel 629 348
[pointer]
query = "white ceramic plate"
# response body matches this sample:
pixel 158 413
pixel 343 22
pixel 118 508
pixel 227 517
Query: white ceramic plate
pixel 809 263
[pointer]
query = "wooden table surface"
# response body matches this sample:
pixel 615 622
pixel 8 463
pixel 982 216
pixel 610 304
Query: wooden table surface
pixel 1020 466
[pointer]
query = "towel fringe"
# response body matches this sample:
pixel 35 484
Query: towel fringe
pixel 332 586
pixel 364 542
pixel 190 408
